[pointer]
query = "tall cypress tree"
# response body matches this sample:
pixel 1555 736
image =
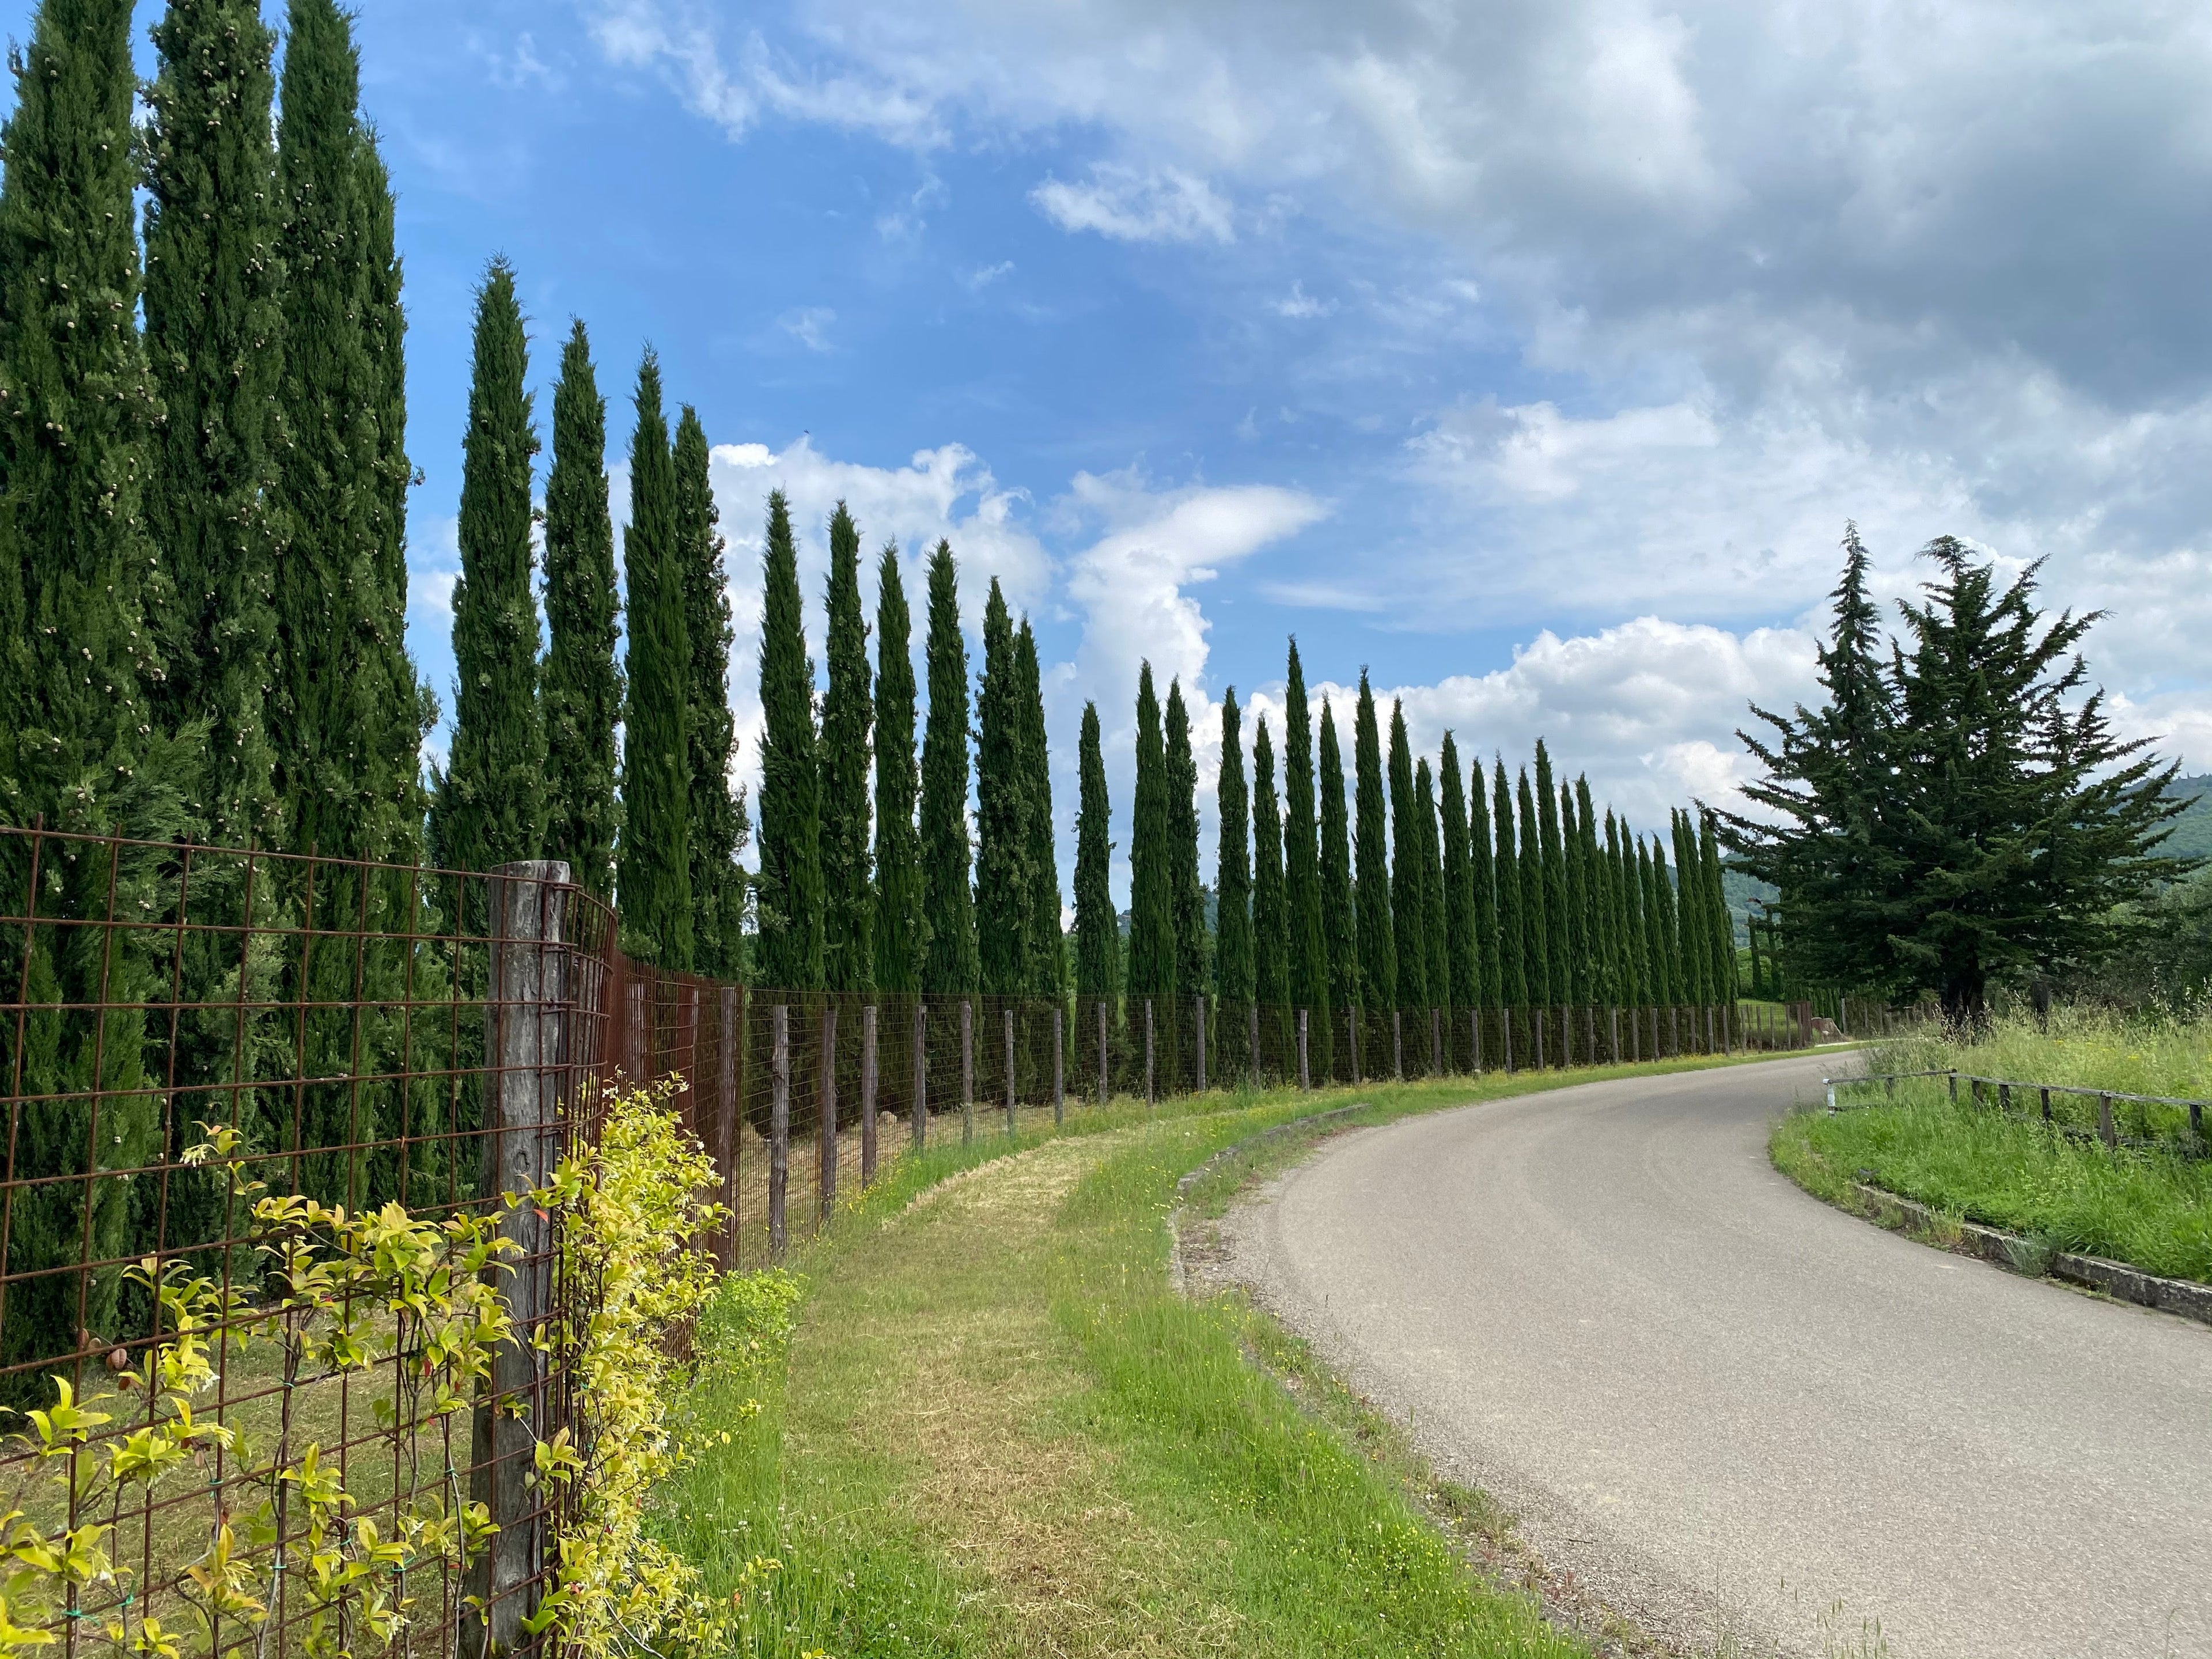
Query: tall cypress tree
pixel 718 830
pixel 1191 975
pixel 1691 935
pixel 791 894
pixel 1577 884
pixel 1002 877
pixel 1232 871
pixel 1098 930
pixel 1559 925
pixel 491 804
pixel 1302 870
pixel 653 861
pixel 78 739
pixel 899 935
pixel 581 690
pixel 1462 962
pixel 1512 946
pixel 948 903
pixel 1627 912
pixel 849 930
pixel 1535 904
pixel 1409 910
pixel 1436 969
pixel 1378 949
pixel 1597 899
pixel 1490 988
pixel 1046 945
pixel 1659 901
pixel 1722 948
pixel 215 328
pixel 1152 857
pixel 1340 924
pixel 1271 928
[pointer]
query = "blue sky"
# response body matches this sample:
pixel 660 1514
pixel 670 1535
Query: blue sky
pixel 1531 354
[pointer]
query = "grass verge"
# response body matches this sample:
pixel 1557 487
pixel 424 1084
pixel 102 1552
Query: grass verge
pixel 995 1430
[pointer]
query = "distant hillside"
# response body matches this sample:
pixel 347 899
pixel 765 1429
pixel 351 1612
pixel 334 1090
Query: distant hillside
pixel 2193 830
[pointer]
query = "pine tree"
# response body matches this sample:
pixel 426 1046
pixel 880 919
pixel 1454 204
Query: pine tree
pixel 1233 876
pixel 1481 875
pixel 1558 914
pixel 1378 949
pixel 948 904
pixel 1302 871
pixel 653 861
pixel 1097 942
pixel 899 935
pixel 849 930
pixel 78 740
pixel 1340 924
pixel 581 690
pixel 490 804
pixel 1191 972
pixel 1002 852
pixel 1271 951
pixel 1047 947
pixel 215 326
pixel 1436 976
pixel 791 893
pixel 1151 858
pixel 1462 960
pixel 1512 928
pixel 1535 904
pixel 1408 909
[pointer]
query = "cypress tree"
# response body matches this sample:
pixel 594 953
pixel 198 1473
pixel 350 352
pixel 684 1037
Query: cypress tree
pixel 1722 948
pixel 78 738
pixel 1098 930
pixel 791 893
pixel 1302 871
pixel 1691 932
pixel 581 690
pixel 1512 947
pixel 1559 927
pixel 1002 880
pixel 1462 962
pixel 1152 859
pixel 1436 969
pixel 1232 870
pixel 653 874
pixel 1579 966
pixel 849 930
pixel 718 830
pixel 1271 934
pixel 1378 951
pixel 1408 908
pixel 491 804
pixel 1191 975
pixel 1046 945
pixel 1659 902
pixel 899 933
pixel 1490 990
pixel 1339 926
pixel 1535 904
pixel 214 340
pixel 1597 895
pixel 1628 913
pixel 948 904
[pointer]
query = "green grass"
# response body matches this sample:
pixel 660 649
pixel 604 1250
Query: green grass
pixel 997 1431
pixel 2150 1207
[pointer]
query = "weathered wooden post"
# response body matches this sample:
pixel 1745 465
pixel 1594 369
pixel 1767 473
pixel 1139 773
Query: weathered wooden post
pixel 779 1123
pixel 1475 1026
pixel 2106 1130
pixel 1105 1057
pixel 1305 1078
pixel 1397 1046
pixel 1252 1019
pixel 825 1125
pixel 1566 1036
pixel 1358 1027
pixel 1059 1069
pixel 1436 1042
pixel 1536 1019
pixel 967 1072
pixel 867 1095
pixel 1151 1100
pixel 635 1057
pixel 1506 1031
pixel 1201 1042
pixel 525 1038
pixel 1008 1013
pixel 725 1095
pixel 921 1108
pixel 1613 1028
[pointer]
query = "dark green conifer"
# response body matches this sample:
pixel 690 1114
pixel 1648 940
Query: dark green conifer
pixel 653 877
pixel 1378 949
pixel 1232 867
pixel 491 804
pixel 718 830
pixel 1535 904
pixel 1462 963
pixel 1481 875
pixel 849 713
pixel 1659 901
pixel 1693 937
pixel 1627 914
pixel 1578 972
pixel 1002 849
pixel 1436 976
pixel 1302 871
pixel 948 903
pixel 1597 900
pixel 1512 927
pixel 1560 928
pixel 1152 859
pixel 1409 892
pixel 791 922
pixel 1340 923
pixel 1192 974
pixel 1047 947
pixel 1721 948
pixel 580 692
pixel 1271 953
pixel 215 328
pixel 1098 930
pixel 899 936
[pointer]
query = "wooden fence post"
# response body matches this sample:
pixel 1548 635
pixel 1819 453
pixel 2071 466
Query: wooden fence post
pixel 1397 1046
pixel 2105 1131
pixel 920 1109
pixel 867 1095
pixel 1436 1042
pixel 1358 1028
pixel 1150 1099
pixel 726 1099
pixel 825 1125
pixel 1059 1069
pixel 1008 1013
pixel 1474 1024
pixel 635 1057
pixel 1252 1019
pixel 1305 1078
pixel 1566 1036
pixel 1105 1056
pixel 967 1072
pixel 1536 1019
pixel 1612 1027
pixel 1202 1042
pixel 529 1100
pixel 779 1123
pixel 1589 1031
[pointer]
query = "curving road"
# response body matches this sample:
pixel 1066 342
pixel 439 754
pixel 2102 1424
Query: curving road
pixel 1733 1408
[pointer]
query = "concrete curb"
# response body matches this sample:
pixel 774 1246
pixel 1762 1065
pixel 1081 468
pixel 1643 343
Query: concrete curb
pixel 2017 1254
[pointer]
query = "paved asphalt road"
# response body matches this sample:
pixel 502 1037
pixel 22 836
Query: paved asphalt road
pixel 1728 1405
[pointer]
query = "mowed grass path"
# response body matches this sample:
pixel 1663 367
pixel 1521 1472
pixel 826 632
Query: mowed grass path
pixel 1001 1431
